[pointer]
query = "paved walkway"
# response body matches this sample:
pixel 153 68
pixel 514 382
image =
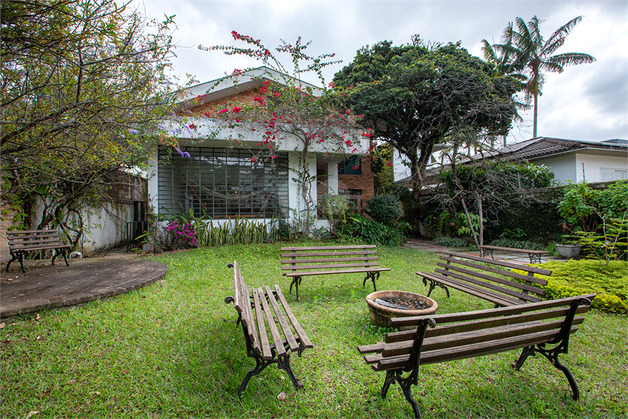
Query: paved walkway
pixel 44 286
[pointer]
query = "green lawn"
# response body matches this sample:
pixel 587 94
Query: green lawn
pixel 172 349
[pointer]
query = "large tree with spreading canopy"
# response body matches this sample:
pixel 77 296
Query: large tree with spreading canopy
pixel 417 95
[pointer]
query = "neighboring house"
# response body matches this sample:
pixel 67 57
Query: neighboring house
pixel 573 160
pixel 569 160
pixel 221 181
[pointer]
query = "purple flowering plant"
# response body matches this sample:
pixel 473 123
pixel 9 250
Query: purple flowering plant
pixel 184 234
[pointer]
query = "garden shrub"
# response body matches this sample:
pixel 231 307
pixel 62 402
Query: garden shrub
pixel 577 277
pixel 373 232
pixel 384 208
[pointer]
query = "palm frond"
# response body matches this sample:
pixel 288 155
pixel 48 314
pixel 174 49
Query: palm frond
pixel 558 37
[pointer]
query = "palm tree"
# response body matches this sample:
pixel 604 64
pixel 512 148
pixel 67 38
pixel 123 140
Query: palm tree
pixel 524 50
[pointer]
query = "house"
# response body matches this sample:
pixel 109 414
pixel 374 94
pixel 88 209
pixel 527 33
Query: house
pixel 569 160
pixel 574 160
pixel 209 176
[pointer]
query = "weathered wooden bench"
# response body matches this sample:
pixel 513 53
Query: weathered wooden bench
pixel 534 255
pixel 330 260
pixel 542 328
pixel 22 242
pixel 259 310
pixel 489 279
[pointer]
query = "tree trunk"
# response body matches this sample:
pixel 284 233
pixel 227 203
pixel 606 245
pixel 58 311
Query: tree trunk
pixel 536 114
pixel 480 213
pixel 475 238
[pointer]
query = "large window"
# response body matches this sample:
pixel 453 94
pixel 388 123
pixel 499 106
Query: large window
pixel 222 183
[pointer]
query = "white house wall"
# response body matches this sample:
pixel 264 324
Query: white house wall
pixel 563 167
pixel 589 166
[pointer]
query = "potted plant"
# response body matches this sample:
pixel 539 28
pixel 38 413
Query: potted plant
pixel 568 248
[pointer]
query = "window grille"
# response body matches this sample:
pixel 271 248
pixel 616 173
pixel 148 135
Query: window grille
pixel 222 183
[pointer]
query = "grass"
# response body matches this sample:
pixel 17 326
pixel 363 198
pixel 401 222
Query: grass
pixel 172 349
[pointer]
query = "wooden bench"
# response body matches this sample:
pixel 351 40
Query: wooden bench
pixel 330 260
pixel 542 328
pixel 258 311
pixel 534 255
pixel 22 242
pixel 489 279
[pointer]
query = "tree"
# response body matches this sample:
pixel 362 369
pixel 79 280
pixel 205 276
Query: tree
pixel 84 88
pixel 523 49
pixel 490 186
pixel 415 96
pixel 288 110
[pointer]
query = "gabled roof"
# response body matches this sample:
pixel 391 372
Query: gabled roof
pixel 536 148
pixel 545 147
pixel 238 82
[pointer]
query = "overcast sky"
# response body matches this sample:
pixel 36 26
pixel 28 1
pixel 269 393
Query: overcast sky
pixel 586 102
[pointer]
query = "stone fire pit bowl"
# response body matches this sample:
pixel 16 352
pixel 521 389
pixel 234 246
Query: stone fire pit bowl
pixel 381 313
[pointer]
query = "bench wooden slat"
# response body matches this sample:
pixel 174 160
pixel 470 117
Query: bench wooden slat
pixel 272 327
pixel 452 272
pixel 485 267
pixel 287 332
pixel 503 263
pixel 493 297
pixel 305 341
pixel 488 313
pixel 447 329
pixel 319 254
pixel 330 266
pixel 327 260
pixel 262 345
pixel 339 271
pixel 300 249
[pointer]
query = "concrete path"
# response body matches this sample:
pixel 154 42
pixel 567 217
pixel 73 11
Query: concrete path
pixel 44 286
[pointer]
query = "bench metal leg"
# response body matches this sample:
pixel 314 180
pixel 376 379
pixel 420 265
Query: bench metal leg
pixel 17 255
pixel 534 258
pixel 561 342
pixel 434 284
pixel 372 276
pixel 296 281
pixel 63 253
pixel 393 376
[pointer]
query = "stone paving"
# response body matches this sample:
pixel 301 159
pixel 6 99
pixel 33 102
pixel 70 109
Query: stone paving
pixel 44 286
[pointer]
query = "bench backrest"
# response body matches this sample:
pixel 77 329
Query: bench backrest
pixel 328 257
pixel 490 273
pixel 477 333
pixel 33 239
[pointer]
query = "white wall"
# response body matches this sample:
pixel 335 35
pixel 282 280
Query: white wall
pixel 582 167
pixel 564 167
pixel 589 166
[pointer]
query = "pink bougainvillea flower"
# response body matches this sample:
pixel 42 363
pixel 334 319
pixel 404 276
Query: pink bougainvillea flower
pixel 388 163
pixel 207 114
pixel 223 111
pixel 253 159
pixel 236 109
pixel 192 126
